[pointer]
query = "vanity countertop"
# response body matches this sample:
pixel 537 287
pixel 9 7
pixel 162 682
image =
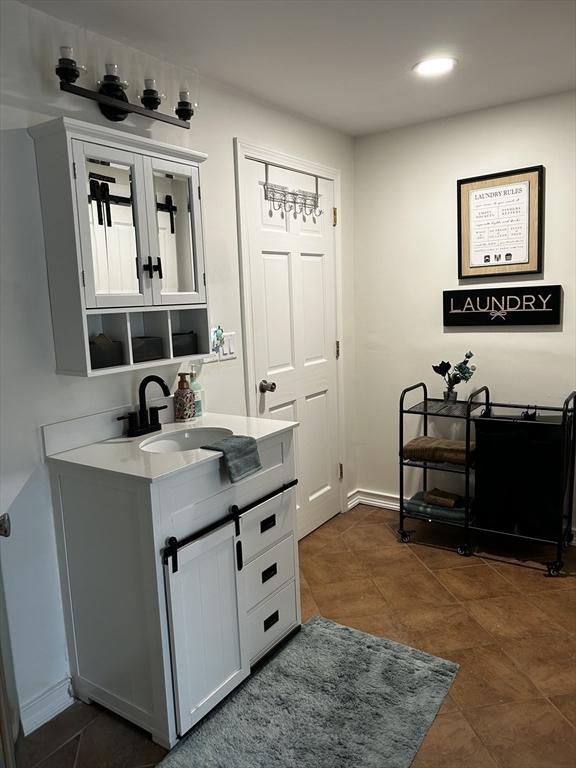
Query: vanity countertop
pixel 123 455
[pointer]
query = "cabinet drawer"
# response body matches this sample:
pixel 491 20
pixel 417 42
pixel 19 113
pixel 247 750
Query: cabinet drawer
pixel 269 571
pixel 270 621
pixel 266 524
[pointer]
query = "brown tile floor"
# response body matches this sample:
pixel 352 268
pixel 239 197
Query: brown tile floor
pixel 511 629
pixel 86 736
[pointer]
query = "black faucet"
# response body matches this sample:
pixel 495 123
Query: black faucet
pixel 145 420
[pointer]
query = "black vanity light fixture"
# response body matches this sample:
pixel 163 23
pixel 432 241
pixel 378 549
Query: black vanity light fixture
pixel 111 96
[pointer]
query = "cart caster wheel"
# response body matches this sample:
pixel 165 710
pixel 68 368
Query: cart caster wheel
pixel 464 550
pixel 554 568
pixel 404 536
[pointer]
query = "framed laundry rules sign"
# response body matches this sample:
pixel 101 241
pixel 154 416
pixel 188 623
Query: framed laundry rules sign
pixel 498 307
pixel 500 226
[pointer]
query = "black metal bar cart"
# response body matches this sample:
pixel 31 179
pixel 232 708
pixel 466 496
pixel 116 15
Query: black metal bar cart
pixel 523 466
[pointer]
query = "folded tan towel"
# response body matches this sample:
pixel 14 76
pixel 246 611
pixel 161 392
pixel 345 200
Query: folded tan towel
pixel 441 498
pixel 436 449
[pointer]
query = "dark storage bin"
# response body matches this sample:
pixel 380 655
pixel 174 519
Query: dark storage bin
pixel 185 343
pixel 146 348
pixel 519 476
pixel 105 352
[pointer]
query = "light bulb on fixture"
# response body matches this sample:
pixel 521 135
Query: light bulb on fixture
pixel 112 86
pixel 184 110
pixel 435 67
pixel 67 69
pixel 150 97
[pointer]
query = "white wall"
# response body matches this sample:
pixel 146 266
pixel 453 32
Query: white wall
pixel 405 256
pixel 32 394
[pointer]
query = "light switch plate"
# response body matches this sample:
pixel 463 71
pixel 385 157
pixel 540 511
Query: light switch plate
pixel 228 351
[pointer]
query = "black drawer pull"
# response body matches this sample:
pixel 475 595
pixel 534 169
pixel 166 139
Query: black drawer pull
pixel 267 523
pixel 269 572
pixel 271 620
pixel 236 511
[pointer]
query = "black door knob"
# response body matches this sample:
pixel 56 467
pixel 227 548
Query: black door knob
pixel 267 386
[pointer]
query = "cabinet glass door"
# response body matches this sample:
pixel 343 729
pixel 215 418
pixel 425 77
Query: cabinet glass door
pixel 175 233
pixel 113 231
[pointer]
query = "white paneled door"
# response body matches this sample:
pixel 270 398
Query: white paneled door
pixel 290 293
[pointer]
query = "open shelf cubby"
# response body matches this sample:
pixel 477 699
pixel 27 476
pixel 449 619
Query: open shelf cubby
pixel 115 351
pixel 149 336
pixel 144 338
pixel 193 322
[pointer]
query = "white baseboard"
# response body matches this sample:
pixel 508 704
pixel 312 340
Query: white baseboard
pixel 374 499
pixel 46 706
pixel 387 501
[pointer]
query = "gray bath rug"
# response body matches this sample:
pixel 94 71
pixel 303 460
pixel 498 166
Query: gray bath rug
pixel 332 697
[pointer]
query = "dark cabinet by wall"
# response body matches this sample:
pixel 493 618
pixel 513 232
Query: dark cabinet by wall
pixel 519 475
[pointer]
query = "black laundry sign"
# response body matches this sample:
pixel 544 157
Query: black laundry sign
pixel 497 307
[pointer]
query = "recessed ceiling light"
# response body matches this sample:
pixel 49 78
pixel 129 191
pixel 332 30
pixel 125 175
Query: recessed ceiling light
pixel 435 67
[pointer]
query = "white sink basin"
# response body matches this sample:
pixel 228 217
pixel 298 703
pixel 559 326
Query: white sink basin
pixel 186 440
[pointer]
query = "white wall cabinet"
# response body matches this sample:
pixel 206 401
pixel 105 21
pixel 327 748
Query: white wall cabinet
pixel 161 640
pixel 124 246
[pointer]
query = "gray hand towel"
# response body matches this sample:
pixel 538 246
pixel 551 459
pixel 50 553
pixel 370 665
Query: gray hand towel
pixel 240 455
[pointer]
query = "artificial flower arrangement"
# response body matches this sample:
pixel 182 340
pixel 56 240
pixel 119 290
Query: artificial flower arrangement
pixel 462 371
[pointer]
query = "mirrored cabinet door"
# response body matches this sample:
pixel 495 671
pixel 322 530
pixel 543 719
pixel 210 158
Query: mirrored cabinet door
pixel 175 230
pixel 114 237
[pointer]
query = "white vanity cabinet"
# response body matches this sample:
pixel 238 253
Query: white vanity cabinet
pixel 207 626
pixel 124 245
pixel 175 581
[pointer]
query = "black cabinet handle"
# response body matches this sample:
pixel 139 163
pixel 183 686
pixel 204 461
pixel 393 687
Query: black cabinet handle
pixel 269 572
pixel 149 268
pixel 239 558
pixel 105 192
pixel 237 512
pixel 158 267
pixel 271 620
pixel 96 196
pixel 171 209
pixel 267 523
